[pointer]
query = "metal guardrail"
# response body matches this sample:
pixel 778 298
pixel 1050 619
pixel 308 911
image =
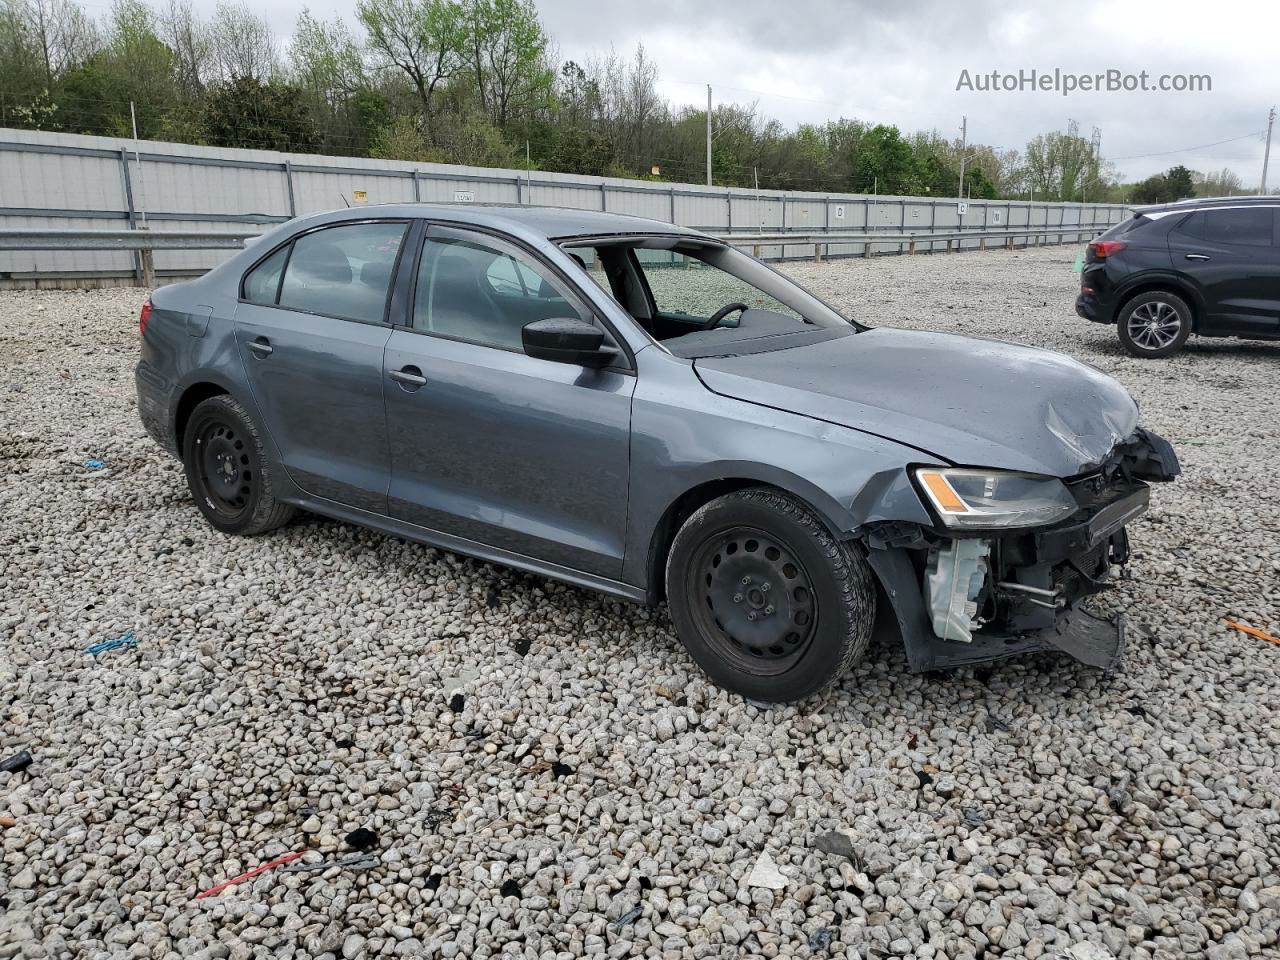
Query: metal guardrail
pixel 146 241
pixel 908 240
pixel 141 240
pixel 39 239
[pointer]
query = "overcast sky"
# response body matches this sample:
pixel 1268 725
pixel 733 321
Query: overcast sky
pixel 900 62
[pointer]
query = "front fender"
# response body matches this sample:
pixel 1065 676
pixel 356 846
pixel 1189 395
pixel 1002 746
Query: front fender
pixel 684 436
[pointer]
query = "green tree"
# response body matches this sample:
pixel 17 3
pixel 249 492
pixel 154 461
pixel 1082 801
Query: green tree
pixel 977 184
pixel 577 95
pixel 269 115
pixel 133 69
pixel 580 150
pixel 935 177
pixel 1180 182
pixel 327 63
pixel 423 39
pixel 1062 166
pixel 883 162
pixel 507 56
pixel 1174 184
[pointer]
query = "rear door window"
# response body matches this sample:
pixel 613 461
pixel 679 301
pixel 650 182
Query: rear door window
pixel 262 283
pixel 343 271
pixel 1248 226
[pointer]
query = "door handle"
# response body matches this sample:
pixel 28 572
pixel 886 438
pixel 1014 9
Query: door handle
pixel 408 377
pixel 261 346
pixel 1197 256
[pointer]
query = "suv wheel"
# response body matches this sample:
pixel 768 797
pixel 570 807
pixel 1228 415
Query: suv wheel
pixel 767 602
pixel 227 470
pixel 1154 324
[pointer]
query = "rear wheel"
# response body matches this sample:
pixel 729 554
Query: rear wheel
pixel 767 602
pixel 227 470
pixel 1154 324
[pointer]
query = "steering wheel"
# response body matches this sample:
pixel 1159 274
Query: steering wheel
pixel 728 308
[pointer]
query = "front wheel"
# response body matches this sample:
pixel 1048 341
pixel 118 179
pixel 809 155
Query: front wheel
pixel 765 599
pixel 227 471
pixel 1154 325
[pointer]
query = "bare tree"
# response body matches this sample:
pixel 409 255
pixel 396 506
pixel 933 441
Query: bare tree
pixel 629 100
pixel 62 33
pixel 642 100
pixel 1221 183
pixel 243 46
pixel 188 38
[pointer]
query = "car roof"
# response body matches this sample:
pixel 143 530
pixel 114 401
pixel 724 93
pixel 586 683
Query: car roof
pixel 549 223
pixel 1202 203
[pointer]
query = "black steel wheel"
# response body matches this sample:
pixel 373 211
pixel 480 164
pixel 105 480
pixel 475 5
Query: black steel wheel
pixel 760 611
pixel 225 474
pixel 766 600
pixel 227 469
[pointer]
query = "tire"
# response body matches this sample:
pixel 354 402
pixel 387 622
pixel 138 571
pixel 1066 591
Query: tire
pixel 1154 324
pixel 765 599
pixel 227 471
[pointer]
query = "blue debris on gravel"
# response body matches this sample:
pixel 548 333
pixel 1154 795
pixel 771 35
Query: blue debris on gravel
pixel 128 640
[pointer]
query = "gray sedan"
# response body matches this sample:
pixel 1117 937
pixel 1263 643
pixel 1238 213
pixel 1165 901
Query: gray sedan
pixel 641 409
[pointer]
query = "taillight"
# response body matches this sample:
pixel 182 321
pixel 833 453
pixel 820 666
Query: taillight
pixel 144 315
pixel 1101 249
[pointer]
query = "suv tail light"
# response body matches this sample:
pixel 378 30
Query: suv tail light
pixel 144 316
pixel 1101 249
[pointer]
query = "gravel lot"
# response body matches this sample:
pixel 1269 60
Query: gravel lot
pixel 544 773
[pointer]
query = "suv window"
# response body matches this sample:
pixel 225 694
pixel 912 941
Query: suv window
pixel 1251 226
pixel 343 271
pixel 472 290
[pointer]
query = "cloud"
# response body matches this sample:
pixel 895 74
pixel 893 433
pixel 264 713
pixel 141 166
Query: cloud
pixel 808 61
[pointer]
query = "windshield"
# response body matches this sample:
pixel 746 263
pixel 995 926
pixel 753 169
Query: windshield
pixel 702 299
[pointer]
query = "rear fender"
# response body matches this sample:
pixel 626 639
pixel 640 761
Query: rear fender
pixel 1160 280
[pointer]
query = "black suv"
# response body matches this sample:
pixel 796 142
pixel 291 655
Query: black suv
pixel 1210 267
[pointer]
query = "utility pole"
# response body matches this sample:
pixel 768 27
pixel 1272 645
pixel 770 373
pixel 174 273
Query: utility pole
pixel 1266 156
pixel 708 134
pixel 964 142
pixel 137 159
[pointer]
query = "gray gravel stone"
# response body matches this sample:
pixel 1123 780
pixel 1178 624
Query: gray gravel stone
pixel 287 690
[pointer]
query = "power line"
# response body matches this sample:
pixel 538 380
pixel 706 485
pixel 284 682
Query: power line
pixel 1203 146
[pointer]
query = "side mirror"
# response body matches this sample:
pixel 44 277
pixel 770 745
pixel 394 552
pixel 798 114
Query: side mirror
pixel 566 340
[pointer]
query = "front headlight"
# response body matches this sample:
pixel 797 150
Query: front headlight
pixel 986 499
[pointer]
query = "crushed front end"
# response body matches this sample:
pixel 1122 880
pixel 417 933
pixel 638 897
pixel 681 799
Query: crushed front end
pixel 1003 569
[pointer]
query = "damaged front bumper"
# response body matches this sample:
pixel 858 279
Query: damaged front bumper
pixel 985 595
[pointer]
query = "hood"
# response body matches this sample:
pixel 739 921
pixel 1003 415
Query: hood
pixel 972 402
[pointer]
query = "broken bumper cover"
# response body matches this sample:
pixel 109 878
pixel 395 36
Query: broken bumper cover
pixel 996 593
pixel 1089 639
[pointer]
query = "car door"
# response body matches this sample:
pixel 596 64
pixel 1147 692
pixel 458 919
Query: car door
pixel 311 327
pixel 488 444
pixel 1230 254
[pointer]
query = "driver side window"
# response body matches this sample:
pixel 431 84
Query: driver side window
pixel 685 288
pixel 477 291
